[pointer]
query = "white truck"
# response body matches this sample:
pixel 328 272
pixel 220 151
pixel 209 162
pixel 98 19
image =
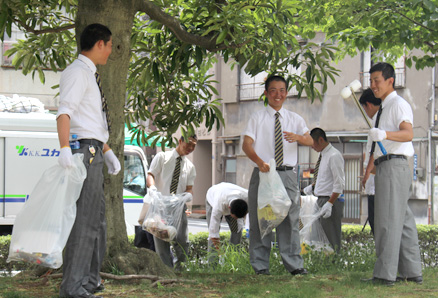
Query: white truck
pixel 29 145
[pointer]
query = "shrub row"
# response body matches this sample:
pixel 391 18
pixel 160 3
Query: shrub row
pixel 357 253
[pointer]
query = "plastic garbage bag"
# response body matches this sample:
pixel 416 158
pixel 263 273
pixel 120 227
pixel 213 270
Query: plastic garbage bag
pixel 163 217
pixel 312 234
pixel 42 227
pixel 273 202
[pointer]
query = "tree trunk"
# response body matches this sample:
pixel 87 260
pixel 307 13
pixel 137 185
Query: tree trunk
pixel 118 15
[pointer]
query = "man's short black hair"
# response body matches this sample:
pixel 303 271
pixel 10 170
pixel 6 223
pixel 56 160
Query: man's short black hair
pixel 193 136
pixel 92 34
pixel 274 78
pixel 368 96
pixel 239 208
pixel 317 132
pixel 386 69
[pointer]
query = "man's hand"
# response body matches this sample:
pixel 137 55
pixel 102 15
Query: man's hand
pixel 326 210
pixel 377 135
pixel 308 190
pixel 65 158
pixel 216 242
pixel 112 162
pixel 263 167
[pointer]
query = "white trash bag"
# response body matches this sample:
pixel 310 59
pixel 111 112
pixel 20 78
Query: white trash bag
pixel 273 202
pixel 312 233
pixel 163 217
pixel 42 227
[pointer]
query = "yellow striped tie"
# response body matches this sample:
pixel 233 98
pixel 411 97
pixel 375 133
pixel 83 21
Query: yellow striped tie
pixel 315 172
pixel 175 177
pixel 104 103
pixel 278 141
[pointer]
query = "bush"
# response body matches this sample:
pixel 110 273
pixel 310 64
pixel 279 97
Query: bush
pixel 357 253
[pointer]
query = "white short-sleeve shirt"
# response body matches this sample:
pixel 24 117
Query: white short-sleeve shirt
pixel 395 110
pixel 81 100
pixel 162 167
pixel 261 128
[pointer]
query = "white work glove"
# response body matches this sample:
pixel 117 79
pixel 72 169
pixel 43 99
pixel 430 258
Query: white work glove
pixel 308 190
pixel 65 158
pixel 326 210
pixel 377 135
pixel 152 188
pixel 112 162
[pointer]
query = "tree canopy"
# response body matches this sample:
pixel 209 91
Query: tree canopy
pixel 173 45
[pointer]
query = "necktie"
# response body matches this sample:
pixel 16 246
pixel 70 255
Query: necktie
pixel 232 222
pixel 104 103
pixel 315 172
pixel 175 176
pixel 373 145
pixel 278 141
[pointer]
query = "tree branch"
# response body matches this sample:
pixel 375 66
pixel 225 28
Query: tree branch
pixel 48 30
pixel 155 13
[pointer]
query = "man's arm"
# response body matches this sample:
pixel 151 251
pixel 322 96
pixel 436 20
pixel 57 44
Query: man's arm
pixel 250 152
pixel 370 169
pixel 63 127
pixel 404 134
pixel 150 180
pixel 305 139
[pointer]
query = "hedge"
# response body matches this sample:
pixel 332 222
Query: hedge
pixel 357 244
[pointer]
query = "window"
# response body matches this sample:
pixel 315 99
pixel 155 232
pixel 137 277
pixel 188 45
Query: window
pixel 368 61
pixel 134 176
pixel 251 88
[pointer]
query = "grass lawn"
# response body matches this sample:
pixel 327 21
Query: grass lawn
pixel 235 285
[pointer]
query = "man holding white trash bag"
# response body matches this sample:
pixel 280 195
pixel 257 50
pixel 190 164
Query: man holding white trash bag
pixel 273 132
pixel 83 111
pixel 171 172
pixel 329 184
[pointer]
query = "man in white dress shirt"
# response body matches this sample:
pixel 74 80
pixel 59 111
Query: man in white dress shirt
pixel 83 111
pixel 371 106
pixel 396 237
pixel 160 176
pixel 329 185
pixel 230 201
pixel 260 145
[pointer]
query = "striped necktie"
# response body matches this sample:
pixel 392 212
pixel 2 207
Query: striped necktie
pixel 104 103
pixel 278 141
pixel 175 176
pixel 232 223
pixel 315 172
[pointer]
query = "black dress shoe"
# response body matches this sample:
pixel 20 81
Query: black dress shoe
pixel 418 279
pixel 380 281
pixel 263 272
pixel 301 271
pixel 100 288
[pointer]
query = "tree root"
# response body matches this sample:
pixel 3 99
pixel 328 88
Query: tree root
pixel 156 279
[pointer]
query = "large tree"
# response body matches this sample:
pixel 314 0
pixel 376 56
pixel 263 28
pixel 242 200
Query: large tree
pixel 158 69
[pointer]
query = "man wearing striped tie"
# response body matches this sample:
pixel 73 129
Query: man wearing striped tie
pixel 274 132
pixel 83 111
pixel 171 172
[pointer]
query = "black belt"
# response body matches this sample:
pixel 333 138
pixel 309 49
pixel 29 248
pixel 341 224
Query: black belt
pixel 284 168
pixel 92 142
pixel 388 157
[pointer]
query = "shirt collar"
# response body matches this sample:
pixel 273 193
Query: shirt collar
pixel 272 112
pixel 391 96
pixel 87 62
pixel 176 155
pixel 326 149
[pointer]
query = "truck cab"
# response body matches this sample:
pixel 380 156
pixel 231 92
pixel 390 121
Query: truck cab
pixel 29 145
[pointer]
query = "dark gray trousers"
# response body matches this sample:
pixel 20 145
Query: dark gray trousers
pixel 180 245
pixel 86 244
pixel 332 226
pixel 395 229
pixel 288 233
